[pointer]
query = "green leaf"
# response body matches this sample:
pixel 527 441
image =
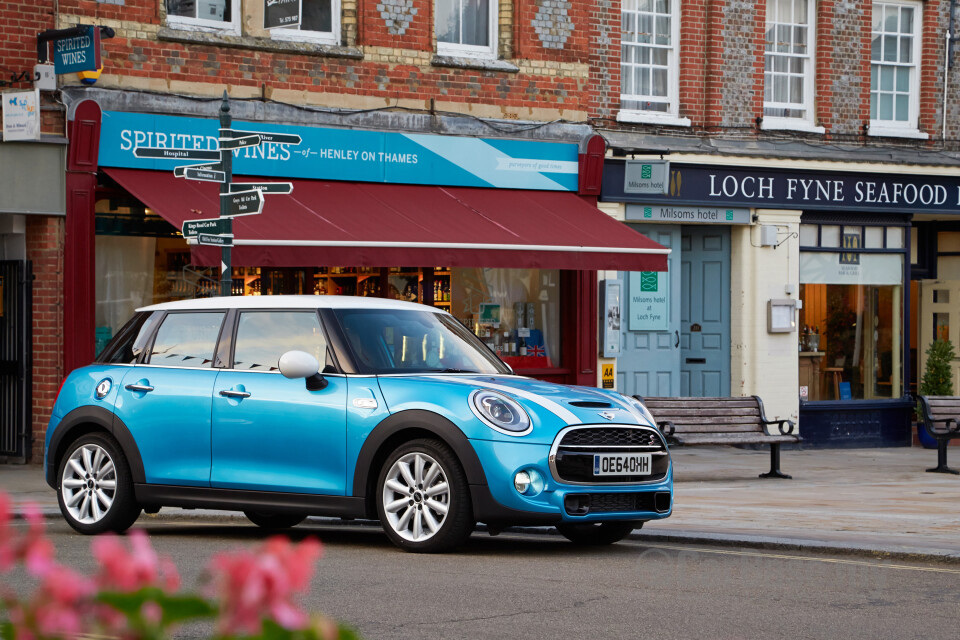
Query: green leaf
pixel 176 608
pixel 7 632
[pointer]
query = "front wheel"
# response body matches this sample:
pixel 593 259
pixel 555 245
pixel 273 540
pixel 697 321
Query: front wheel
pixel 422 498
pixel 597 533
pixel 274 520
pixel 95 491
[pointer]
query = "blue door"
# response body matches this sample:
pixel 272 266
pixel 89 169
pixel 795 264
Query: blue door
pixel 705 311
pixel 271 433
pixel 649 362
pixel 166 402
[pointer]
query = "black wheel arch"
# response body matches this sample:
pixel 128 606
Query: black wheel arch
pixel 402 427
pixel 91 419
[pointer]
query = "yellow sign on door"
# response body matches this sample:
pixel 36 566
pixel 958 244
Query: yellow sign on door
pixel 606 376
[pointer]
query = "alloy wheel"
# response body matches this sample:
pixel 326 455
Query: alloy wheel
pixel 89 483
pixel 416 497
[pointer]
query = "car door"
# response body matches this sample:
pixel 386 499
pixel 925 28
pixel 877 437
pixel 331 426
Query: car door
pixel 165 401
pixel 271 433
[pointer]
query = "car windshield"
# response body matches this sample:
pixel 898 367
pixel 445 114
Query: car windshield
pixel 411 341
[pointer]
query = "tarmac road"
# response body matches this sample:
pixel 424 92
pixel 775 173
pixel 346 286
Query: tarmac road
pixel 537 585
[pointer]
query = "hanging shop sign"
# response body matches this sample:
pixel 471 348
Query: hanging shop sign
pixel 21 115
pixel 723 188
pixel 646 176
pixel 649 304
pixel 336 154
pixel 281 13
pixel 687 214
pixel 78 53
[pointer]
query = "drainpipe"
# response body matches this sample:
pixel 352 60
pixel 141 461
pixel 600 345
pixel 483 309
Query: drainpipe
pixel 947 65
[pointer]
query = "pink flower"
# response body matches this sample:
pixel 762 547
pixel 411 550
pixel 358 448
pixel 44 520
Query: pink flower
pixel 258 584
pixel 7 552
pixel 131 570
pixel 58 608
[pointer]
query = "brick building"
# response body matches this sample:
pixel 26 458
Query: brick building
pixel 813 165
pixel 444 158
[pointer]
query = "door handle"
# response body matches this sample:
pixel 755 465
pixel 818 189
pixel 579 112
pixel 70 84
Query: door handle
pixel 677 343
pixel 145 388
pixel 231 393
pixel 696 361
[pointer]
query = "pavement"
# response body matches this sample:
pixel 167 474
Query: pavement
pixel 876 502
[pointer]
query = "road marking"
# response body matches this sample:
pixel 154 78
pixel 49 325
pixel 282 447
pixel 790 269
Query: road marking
pixel 780 556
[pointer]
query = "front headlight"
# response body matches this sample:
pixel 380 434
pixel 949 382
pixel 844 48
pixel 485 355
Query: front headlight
pixel 639 406
pixel 501 412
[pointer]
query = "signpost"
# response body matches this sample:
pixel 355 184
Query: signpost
pixel 236 199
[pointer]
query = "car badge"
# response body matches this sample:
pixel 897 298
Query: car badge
pixel 609 415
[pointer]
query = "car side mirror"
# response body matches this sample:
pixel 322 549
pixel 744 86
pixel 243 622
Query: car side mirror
pixel 300 364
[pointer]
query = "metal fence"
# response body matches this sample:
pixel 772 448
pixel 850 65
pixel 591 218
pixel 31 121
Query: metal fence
pixel 16 352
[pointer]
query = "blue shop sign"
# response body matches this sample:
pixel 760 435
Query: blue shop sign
pixel 79 53
pixel 718 186
pixel 349 154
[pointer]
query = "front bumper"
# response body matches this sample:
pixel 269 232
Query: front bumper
pixel 498 502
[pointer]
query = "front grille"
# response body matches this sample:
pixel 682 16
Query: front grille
pixel 573 456
pixel 582 504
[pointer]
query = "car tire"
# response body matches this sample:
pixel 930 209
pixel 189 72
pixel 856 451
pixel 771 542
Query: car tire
pixel 597 533
pixel 423 500
pixel 94 486
pixel 275 520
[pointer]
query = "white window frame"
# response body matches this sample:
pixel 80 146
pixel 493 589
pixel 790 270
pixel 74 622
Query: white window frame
pixel 808 122
pixel 319 37
pixel 200 24
pixel 468 50
pixel 910 128
pixel 671 116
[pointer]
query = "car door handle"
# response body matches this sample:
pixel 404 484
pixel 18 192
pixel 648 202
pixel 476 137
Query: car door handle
pixel 232 393
pixel 145 388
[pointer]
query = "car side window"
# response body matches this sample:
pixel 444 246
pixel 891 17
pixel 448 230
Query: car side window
pixel 131 340
pixel 264 336
pixel 187 340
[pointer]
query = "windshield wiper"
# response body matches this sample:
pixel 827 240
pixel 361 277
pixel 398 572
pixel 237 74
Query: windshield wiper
pixel 448 370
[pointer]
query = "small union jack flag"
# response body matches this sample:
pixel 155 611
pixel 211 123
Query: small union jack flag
pixel 537 351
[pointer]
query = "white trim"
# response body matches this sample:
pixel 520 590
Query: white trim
pixel 880 128
pixel 458 50
pixel 443 245
pixel 651 117
pixel 286 302
pixel 807 122
pixel 910 127
pixel 216 26
pixel 772 123
pixel 320 37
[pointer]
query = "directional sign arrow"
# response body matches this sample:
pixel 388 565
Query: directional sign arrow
pixel 206 175
pixel 240 143
pixel 215 226
pixel 176 154
pixel 265 187
pixel 217 241
pixel 245 203
pixel 265 136
pixel 181 172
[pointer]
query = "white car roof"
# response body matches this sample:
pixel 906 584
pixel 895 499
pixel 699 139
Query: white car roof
pixel 287 302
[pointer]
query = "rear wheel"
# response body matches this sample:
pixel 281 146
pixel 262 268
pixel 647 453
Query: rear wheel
pixel 95 489
pixel 597 533
pixel 275 520
pixel 422 498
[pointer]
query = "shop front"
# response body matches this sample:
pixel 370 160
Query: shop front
pixel 491 230
pixel 831 250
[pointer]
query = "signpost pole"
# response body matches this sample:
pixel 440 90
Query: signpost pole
pixel 226 160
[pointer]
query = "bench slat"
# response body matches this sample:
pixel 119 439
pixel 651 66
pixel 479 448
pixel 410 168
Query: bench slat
pixel 729 420
pixel 736 439
pixel 726 403
pixel 716 428
pixel 704 411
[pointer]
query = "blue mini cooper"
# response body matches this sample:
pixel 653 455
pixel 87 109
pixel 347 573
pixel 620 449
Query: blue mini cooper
pixel 288 406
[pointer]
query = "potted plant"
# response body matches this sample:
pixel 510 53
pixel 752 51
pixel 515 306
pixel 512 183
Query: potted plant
pixel 937 381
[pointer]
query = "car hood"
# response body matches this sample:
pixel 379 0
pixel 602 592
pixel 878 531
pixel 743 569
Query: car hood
pixel 555 405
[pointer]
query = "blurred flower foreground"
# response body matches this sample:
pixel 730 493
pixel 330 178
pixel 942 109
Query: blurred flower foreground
pixel 136 594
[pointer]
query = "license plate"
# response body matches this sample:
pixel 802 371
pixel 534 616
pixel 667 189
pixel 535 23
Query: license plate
pixel 621 464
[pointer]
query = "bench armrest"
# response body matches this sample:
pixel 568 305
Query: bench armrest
pixel 786 427
pixel 666 427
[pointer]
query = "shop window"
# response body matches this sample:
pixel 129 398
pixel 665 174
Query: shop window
pixel 829 236
pixel 851 325
pixel 205 15
pixel 319 22
pixel 264 336
pixel 467 28
pixel 941 325
pixel 808 235
pixel 516 312
pixel 873 237
pixel 187 340
pixel 894 238
pixel 788 66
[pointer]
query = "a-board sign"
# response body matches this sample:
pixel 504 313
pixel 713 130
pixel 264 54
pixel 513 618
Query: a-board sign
pixel 212 226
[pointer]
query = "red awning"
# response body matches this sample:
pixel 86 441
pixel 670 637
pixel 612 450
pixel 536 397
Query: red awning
pixel 330 223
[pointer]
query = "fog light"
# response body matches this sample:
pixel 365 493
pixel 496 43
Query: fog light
pixel 528 482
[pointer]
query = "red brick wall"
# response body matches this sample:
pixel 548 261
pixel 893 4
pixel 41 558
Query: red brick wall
pixel 20 21
pixel 45 251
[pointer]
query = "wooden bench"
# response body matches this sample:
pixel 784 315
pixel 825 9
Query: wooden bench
pixel 941 419
pixel 733 421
